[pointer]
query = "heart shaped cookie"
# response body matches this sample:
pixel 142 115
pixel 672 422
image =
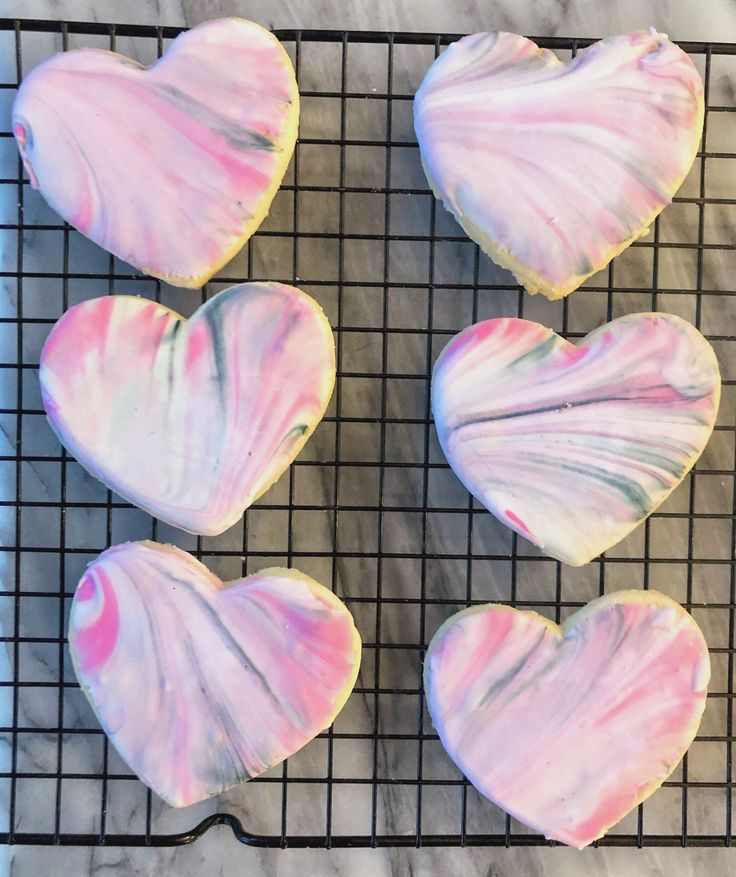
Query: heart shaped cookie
pixel 573 446
pixel 191 420
pixel 170 167
pixel 202 684
pixel 553 168
pixel 569 728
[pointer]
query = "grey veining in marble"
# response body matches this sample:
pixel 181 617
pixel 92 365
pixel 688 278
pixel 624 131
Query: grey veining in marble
pixel 217 854
pixel 259 804
pixel 682 19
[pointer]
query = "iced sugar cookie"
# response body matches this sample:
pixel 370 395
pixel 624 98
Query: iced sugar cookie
pixel 170 167
pixel 191 420
pixel 569 728
pixel 201 684
pixel 554 168
pixel 572 445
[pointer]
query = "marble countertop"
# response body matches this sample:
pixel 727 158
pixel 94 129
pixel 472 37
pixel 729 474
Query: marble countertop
pixel 217 852
pixel 681 19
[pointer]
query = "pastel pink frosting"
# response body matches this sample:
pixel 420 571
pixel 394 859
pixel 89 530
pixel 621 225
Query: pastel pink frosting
pixel 191 420
pixel 202 684
pixel 569 728
pixel 554 168
pixel 171 167
pixel 572 446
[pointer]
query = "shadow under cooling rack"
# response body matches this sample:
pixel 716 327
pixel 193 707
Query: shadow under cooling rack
pixel 370 507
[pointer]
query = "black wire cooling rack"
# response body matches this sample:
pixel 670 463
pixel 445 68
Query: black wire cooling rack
pixel 370 507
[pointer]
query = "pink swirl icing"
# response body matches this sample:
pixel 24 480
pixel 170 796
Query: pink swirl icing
pixel 192 420
pixel 173 167
pixel 199 684
pixel 573 446
pixel 553 168
pixel 569 728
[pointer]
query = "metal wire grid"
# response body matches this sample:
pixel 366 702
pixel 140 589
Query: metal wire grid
pixel 378 777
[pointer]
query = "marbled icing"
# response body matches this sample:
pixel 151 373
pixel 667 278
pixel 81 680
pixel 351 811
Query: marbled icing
pixel 569 728
pixel 570 445
pixel 191 420
pixel 202 684
pixel 553 168
pixel 173 167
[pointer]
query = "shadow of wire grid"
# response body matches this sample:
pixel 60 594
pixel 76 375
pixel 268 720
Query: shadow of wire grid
pixel 370 507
